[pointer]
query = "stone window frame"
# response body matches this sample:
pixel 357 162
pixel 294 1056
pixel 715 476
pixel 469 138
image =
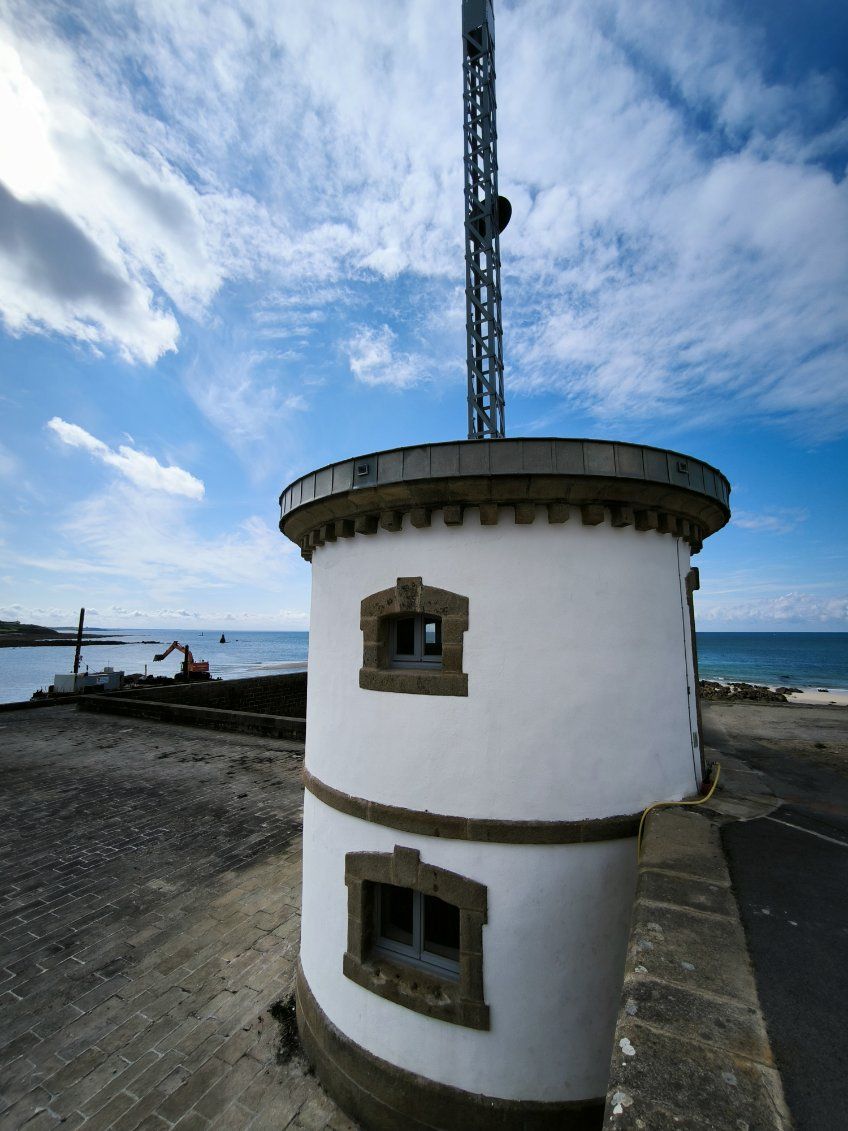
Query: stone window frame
pixel 459 1002
pixel 410 595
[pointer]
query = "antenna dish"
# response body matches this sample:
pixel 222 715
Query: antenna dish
pixel 503 213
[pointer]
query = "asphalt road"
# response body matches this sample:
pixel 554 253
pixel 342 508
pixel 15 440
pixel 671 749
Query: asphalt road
pixel 790 874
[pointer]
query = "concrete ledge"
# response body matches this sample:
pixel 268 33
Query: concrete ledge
pixel 691 1048
pixel 34 704
pixel 213 718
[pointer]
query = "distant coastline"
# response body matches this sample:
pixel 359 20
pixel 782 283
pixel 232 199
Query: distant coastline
pixel 13 634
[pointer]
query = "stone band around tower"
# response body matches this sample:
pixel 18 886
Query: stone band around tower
pixel 629 484
pixel 486 830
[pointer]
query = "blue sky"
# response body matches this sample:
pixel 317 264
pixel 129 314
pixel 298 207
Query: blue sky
pixel 231 251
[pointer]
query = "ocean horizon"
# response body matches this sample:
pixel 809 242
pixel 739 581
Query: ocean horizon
pixel 797 659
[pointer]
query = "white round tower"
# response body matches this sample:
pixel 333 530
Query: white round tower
pixel 502 676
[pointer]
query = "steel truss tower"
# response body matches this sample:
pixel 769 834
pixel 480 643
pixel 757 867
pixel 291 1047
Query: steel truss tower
pixel 486 215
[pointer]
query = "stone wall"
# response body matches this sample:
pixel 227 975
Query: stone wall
pixel 691 1047
pixel 264 695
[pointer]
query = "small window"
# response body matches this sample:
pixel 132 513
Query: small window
pixel 420 929
pixel 415 935
pixel 416 640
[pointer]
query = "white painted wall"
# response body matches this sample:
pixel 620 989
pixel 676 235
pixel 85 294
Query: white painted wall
pixel 553 960
pixel 577 662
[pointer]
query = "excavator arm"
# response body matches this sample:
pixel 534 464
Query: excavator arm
pixel 192 666
pixel 175 647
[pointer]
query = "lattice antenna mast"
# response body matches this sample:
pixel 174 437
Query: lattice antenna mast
pixel 486 216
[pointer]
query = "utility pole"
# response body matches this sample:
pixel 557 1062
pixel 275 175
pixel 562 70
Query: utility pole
pixel 79 642
pixel 486 216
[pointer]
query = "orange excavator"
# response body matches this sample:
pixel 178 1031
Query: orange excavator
pixel 192 669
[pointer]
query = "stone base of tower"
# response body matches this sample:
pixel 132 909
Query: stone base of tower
pixel 383 1097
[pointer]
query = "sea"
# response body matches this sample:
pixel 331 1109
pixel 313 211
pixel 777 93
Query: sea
pixel 797 659
pixel 23 670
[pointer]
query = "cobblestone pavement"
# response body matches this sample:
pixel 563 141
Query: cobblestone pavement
pixel 150 886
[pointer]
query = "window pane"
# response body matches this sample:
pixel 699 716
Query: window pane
pixel 432 636
pixel 405 636
pixel 441 928
pixel 396 913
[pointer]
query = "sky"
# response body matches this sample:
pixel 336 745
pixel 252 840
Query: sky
pixel 231 252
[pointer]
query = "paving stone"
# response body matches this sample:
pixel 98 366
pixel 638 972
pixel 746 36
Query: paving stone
pixel 151 918
pixel 106 1117
pixel 120 1082
pixel 191 1121
pixel 153 1123
pixel 238 1045
pixel 78 1096
pixel 234 1118
pixel 228 1088
pixel 140 1111
pixel 19 1108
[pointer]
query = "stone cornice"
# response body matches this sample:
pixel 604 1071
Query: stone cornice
pixel 625 484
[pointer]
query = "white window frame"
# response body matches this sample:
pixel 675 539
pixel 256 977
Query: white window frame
pixel 414 955
pixel 418 659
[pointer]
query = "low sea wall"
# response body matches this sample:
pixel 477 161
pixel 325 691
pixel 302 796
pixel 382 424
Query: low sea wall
pixel 273 706
pixel 265 695
pixel 691 1047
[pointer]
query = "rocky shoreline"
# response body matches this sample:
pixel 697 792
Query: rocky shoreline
pixel 752 692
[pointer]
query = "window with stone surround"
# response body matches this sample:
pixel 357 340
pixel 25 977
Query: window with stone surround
pixel 412 640
pixel 415 935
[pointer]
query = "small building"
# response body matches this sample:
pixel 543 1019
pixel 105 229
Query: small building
pixel 69 683
pixel 502 676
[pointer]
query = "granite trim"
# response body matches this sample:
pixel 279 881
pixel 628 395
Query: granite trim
pixel 458 1002
pixel 409 595
pixel 689 498
pixel 383 1097
pixel 487 830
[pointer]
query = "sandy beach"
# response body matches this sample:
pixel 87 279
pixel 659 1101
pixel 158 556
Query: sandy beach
pixel 812 696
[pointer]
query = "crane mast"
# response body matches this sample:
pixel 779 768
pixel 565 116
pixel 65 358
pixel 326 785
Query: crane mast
pixel 486 215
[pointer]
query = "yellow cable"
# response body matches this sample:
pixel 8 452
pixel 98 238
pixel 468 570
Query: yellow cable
pixel 659 804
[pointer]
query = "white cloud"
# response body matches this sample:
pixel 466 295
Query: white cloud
pixel 680 267
pixel 780 521
pixel 148 539
pixel 9 465
pixel 130 539
pixel 781 611
pixel 247 395
pixel 679 245
pixel 374 361
pixel 142 470
pixel 72 255
pixel 153 616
